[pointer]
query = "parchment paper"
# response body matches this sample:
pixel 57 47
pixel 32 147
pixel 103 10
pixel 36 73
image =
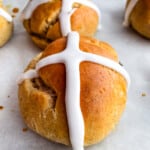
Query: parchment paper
pixel 133 130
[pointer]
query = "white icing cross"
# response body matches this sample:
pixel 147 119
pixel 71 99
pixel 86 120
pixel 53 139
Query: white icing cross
pixel 65 14
pixel 6 15
pixel 128 11
pixel 72 56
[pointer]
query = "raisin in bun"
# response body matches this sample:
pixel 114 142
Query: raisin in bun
pixel 103 94
pixel 6 25
pixel 43 24
pixel 139 16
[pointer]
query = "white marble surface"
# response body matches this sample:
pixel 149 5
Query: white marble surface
pixel 133 131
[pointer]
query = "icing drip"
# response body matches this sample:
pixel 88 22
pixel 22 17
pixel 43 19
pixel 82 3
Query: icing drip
pixel 72 56
pixel 6 15
pixel 129 9
pixel 65 24
pixel 31 73
pixel 67 10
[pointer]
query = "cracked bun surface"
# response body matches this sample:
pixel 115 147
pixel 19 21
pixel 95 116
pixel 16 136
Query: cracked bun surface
pixel 44 24
pixel 140 18
pixel 6 28
pixel 103 95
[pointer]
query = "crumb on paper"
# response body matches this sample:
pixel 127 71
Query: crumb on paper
pixel 25 129
pixel 15 10
pixel 143 94
pixel 13 16
pixel 1 107
pixel 8 96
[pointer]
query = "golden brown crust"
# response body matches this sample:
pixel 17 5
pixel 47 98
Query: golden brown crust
pixel 103 95
pixel 140 18
pixel 6 29
pixel 147 3
pixel 44 23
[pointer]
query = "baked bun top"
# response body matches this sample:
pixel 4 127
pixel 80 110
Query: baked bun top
pixel 86 76
pixel 47 20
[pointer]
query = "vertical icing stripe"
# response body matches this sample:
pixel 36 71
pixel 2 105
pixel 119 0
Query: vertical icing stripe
pixel 128 11
pixel 6 15
pixel 65 24
pixel 72 97
pixel 67 10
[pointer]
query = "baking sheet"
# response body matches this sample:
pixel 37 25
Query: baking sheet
pixel 133 131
